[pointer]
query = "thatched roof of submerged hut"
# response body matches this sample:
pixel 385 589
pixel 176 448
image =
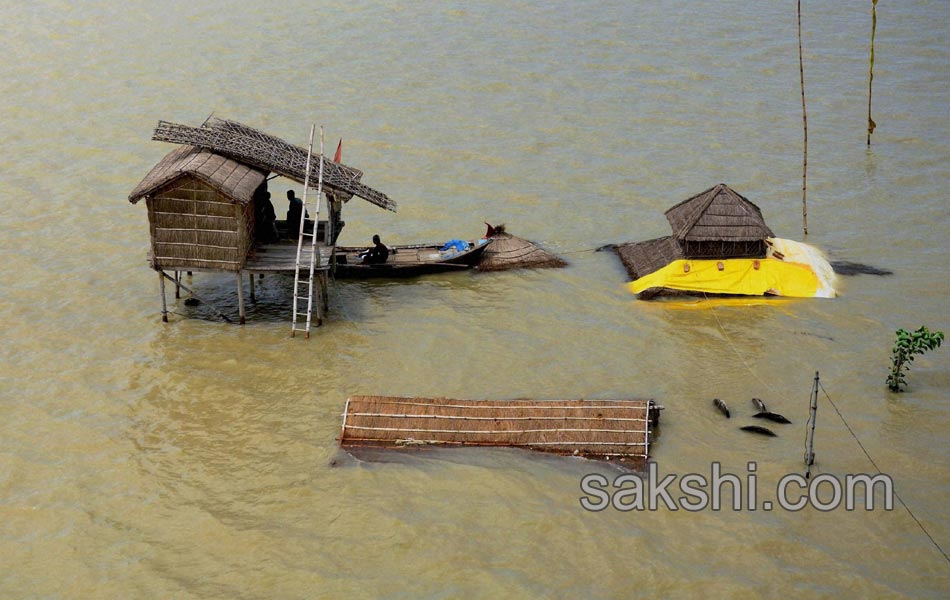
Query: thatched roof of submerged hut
pixel 718 214
pixel 507 251
pixel 231 178
pixel 642 258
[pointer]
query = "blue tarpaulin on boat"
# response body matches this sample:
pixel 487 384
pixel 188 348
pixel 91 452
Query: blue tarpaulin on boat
pixel 457 245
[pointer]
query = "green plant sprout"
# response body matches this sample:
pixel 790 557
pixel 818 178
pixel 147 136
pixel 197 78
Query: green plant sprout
pixel 905 347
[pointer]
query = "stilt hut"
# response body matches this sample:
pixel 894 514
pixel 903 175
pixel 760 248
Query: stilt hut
pixel 200 210
pixel 202 198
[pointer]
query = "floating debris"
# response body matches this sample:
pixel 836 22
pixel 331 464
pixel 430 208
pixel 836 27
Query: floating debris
pixel 759 430
pixel 771 416
pixel 759 405
pixel 722 407
pixel 845 267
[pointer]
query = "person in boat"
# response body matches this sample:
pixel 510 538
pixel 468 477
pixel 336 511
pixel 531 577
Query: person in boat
pixel 294 211
pixel 376 255
pixel 265 219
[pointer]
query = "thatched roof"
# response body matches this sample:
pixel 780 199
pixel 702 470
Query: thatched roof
pixel 264 151
pixel 718 214
pixel 643 258
pixel 232 178
pixel 509 252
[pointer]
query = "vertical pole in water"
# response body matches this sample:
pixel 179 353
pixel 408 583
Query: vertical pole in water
pixel 813 415
pixel 801 71
pixel 250 277
pixel 871 123
pixel 161 287
pixel 177 285
pixel 240 292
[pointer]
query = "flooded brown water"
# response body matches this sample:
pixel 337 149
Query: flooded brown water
pixel 193 459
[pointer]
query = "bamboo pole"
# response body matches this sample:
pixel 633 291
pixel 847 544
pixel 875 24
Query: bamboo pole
pixel 801 71
pixel 813 416
pixel 161 287
pixel 177 285
pixel 250 277
pixel 871 123
pixel 195 296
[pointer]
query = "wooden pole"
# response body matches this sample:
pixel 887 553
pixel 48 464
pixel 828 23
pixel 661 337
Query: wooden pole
pixel 813 415
pixel 250 277
pixel 240 292
pixel 801 71
pixel 161 286
pixel 177 285
pixel 871 123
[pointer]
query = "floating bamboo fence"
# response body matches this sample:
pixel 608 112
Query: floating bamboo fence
pixel 599 429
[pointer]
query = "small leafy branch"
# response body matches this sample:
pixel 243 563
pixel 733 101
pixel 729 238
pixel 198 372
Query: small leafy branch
pixel 905 347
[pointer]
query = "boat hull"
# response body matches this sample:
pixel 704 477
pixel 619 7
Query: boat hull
pixel 408 261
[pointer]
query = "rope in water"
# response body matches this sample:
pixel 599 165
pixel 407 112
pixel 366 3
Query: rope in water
pixel 896 495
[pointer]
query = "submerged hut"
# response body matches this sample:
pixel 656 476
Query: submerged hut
pixel 717 223
pixel 721 245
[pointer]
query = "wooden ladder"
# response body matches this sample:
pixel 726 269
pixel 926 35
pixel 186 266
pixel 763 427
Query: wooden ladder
pixel 314 260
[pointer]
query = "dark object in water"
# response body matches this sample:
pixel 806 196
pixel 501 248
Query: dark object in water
pixel 607 248
pixel 759 405
pixel 845 267
pixel 721 406
pixel 771 416
pixel 759 430
pixel 192 302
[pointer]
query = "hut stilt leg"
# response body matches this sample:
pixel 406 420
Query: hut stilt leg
pixel 240 292
pixel 177 286
pixel 250 277
pixel 325 294
pixel 161 287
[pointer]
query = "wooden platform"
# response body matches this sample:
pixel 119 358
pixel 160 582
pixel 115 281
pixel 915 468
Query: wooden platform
pixel 598 429
pixel 282 257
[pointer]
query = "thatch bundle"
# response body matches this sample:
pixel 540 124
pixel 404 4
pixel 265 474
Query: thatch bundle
pixel 511 252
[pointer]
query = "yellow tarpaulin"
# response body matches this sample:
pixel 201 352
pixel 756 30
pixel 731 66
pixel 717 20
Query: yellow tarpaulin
pixel 745 276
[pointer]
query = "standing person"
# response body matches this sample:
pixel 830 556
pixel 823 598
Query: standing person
pixel 265 219
pixel 293 214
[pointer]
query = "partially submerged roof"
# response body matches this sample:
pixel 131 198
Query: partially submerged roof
pixel 718 214
pixel 642 258
pixel 510 252
pixel 232 178
pixel 264 151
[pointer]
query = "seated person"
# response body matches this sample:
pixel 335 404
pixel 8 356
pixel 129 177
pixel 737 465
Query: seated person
pixel 376 255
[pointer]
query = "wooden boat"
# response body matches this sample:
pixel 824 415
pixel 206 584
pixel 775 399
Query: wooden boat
pixel 409 260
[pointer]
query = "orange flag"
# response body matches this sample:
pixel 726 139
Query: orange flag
pixel 339 151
